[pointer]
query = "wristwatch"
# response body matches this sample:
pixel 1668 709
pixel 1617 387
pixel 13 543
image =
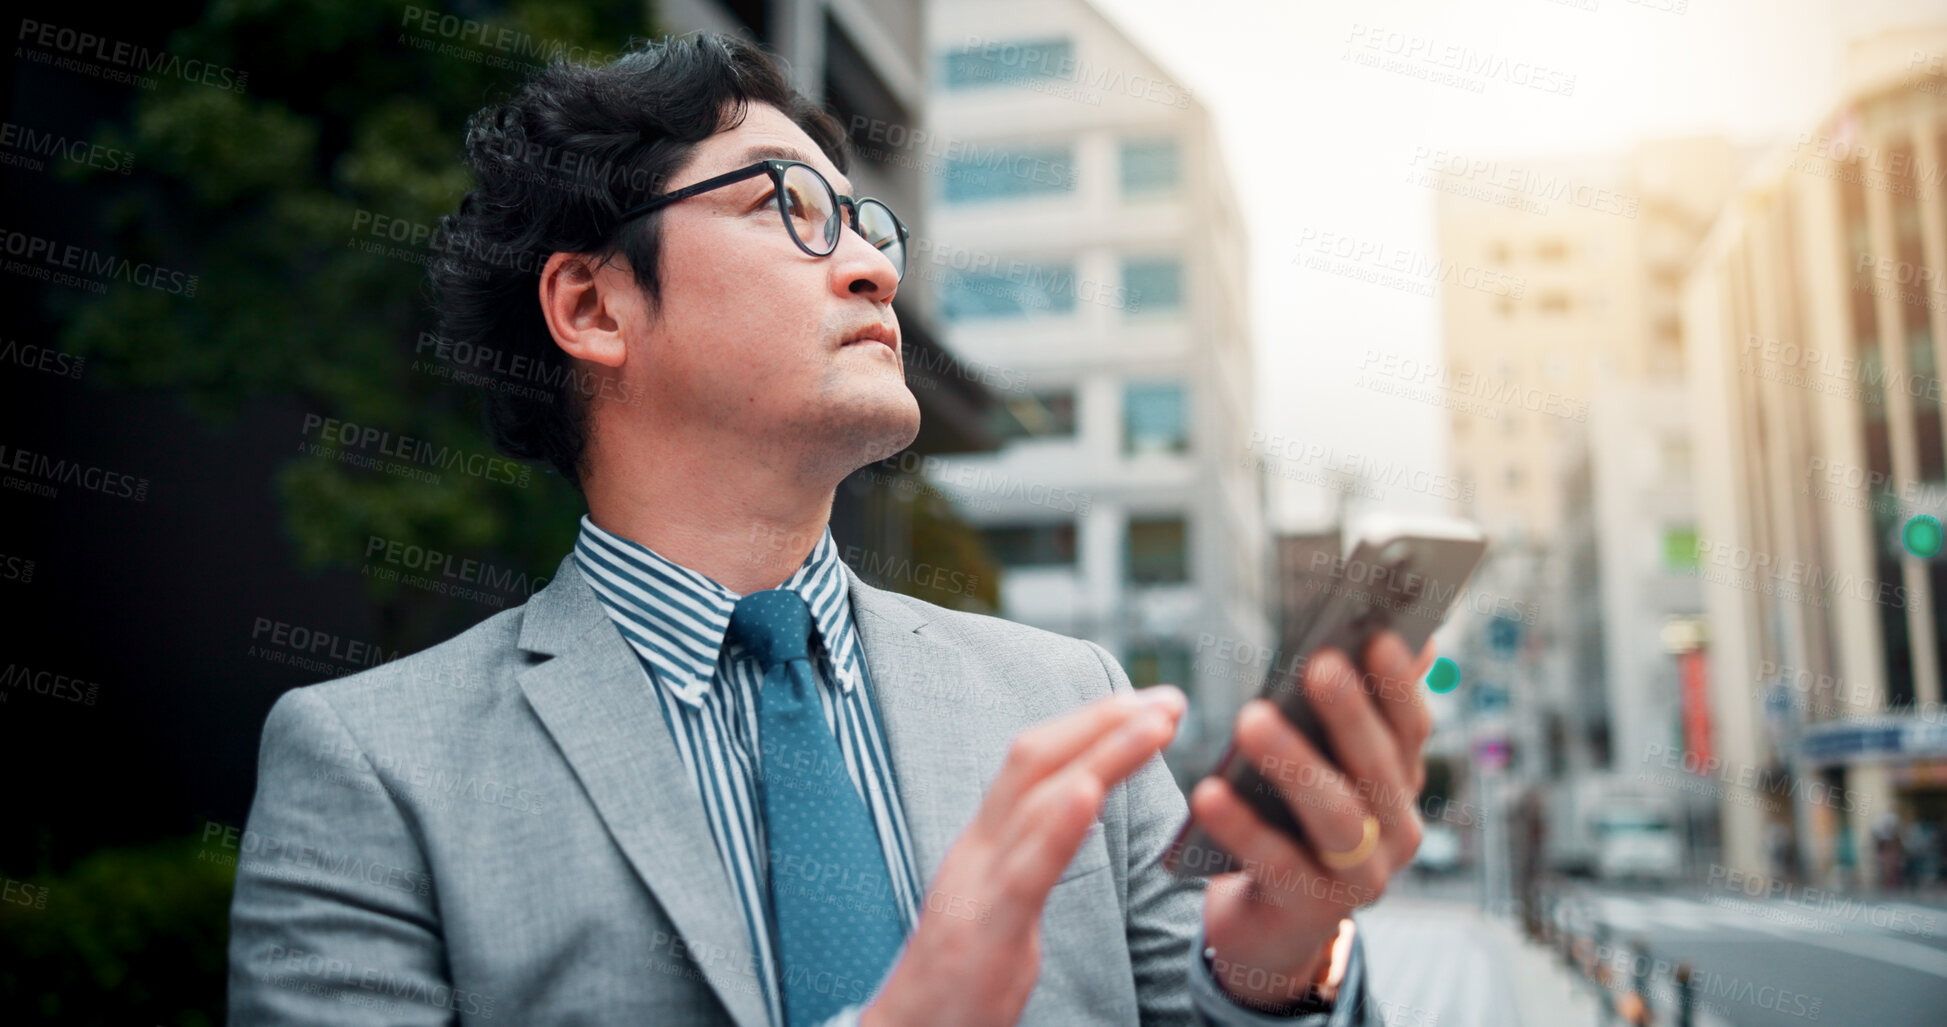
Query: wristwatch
pixel 1312 1001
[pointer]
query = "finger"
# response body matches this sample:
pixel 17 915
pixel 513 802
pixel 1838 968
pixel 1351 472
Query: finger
pixel 1041 834
pixel 1396 693
pixel 1285 871
pixel 1362 742
pixel 1046 747
pixel 1293 771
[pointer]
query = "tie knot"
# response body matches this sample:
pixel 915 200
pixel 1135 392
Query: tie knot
pixel 774 626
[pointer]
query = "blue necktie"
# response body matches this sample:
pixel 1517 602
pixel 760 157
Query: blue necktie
pixel 837 929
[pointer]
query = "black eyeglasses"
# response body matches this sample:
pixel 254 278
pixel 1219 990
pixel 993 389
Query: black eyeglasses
pixel 806 202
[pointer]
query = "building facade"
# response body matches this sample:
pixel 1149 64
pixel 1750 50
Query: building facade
pixel 1089 259
pixel 1819 313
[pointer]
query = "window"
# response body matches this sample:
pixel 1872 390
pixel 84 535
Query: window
pixel 1158 663
pixel 1153 285
pixel 1155 418
pixel 1497 251
pixel 1676 457
pixel 1046 414
pixel 1032 545
pixel 1554 301
pixel 1158 551
pixel 982 174
pixel 1680 548
pixel 989 63
pixel 1149 166
pixel 1552 250
pixel 1023 289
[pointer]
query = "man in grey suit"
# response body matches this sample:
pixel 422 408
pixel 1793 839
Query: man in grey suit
pixel 707 775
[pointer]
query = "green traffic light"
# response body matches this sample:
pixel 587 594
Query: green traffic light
pixel 1444 677
pixel 1922 535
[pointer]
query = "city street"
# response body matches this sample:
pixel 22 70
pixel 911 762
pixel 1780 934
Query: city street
pixel 1436 960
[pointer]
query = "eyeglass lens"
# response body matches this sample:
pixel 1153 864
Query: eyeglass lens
pixel 810 212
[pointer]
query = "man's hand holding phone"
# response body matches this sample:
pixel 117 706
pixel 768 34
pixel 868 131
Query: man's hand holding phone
pixel 1281 914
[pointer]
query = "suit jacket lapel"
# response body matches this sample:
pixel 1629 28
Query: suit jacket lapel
pixel 593 698
pixel 928 692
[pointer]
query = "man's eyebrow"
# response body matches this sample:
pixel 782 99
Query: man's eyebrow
pixel 775 151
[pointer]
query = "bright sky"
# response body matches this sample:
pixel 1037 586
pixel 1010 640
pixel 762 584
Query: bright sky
pixel 1289 103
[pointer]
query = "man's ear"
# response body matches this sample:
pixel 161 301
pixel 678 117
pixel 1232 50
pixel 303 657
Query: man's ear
pixel 585 306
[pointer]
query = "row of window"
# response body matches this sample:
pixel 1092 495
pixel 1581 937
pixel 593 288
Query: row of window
pixel 1148 285
pixel 1150 167
pixel 1155 416
pixel 1156 550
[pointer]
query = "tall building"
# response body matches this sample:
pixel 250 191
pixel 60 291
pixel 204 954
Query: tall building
pixel 1581 469
pixel 867 61
pixel 1088 256
pixel 1818 314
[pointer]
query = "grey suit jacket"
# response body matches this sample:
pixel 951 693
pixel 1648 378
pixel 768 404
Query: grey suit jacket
pixel 499 829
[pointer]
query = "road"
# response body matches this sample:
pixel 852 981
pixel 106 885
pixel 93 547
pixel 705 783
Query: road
pixel 1437 962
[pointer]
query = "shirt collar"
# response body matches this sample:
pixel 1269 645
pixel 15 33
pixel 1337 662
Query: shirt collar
pixel 675 618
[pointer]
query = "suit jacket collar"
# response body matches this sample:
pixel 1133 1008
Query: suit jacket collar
pixel 589 691
pixel 676 619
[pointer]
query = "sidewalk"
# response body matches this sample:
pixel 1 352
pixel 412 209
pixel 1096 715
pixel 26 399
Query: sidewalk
pixel 1442 963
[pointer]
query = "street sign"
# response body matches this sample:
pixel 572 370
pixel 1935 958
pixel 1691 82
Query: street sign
pixel 1491 753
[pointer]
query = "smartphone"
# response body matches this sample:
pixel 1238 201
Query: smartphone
pixel 1404 573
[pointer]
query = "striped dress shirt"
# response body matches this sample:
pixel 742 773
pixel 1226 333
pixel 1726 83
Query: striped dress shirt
pixel 675 620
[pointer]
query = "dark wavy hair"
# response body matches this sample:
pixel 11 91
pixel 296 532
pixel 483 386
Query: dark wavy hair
pixel 554 167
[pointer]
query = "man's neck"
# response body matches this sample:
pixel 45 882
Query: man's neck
pixel 743 543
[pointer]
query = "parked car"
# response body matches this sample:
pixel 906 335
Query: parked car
pixel 1439 851
pixel 1637 842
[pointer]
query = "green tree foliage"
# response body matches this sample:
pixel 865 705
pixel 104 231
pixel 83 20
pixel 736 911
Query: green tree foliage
pixel 305 199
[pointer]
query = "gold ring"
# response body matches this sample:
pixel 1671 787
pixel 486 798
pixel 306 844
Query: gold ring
pixel 1357 854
